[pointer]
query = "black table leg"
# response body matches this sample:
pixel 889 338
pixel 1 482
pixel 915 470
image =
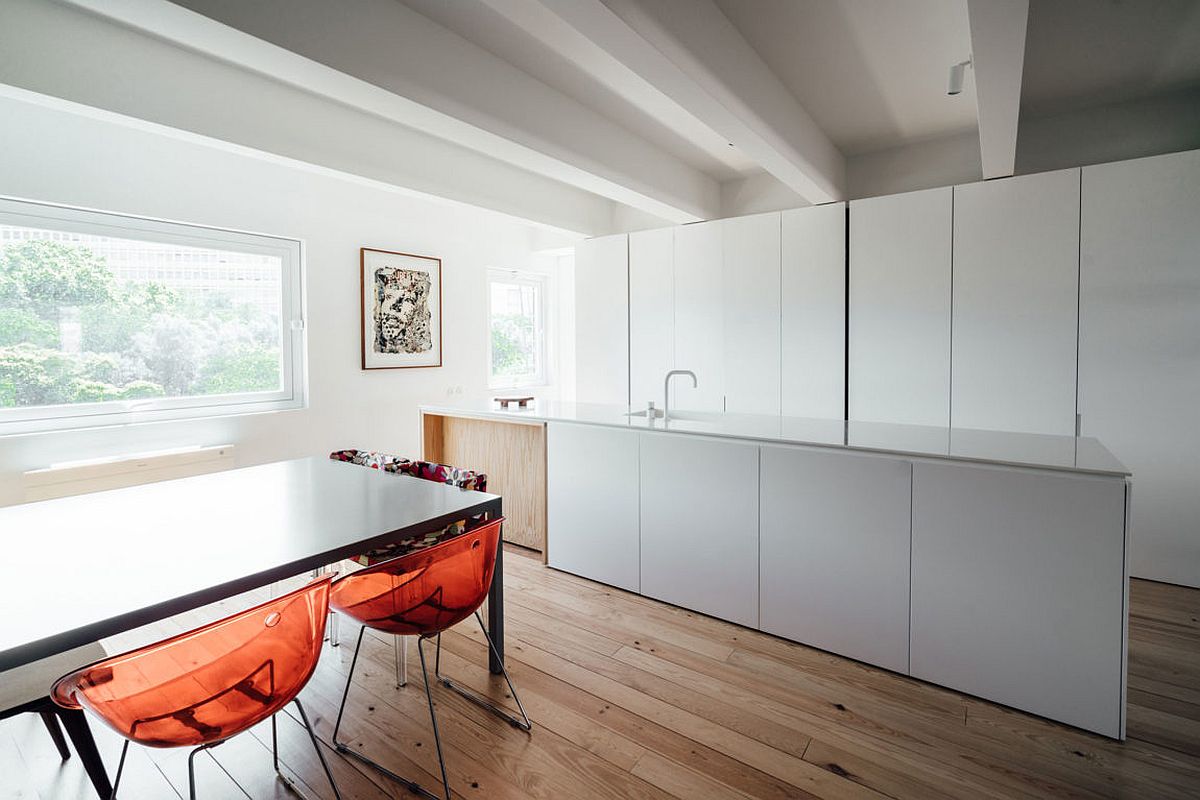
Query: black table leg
pixel 81 737
pixel 50 720
pixel 496 603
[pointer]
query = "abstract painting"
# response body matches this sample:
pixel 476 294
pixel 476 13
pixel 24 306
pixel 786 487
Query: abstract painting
pixel 401 310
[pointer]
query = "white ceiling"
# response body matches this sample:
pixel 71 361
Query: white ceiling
pixel 1081 53
pixel 635 103
pixel 872 73
pixel 645 114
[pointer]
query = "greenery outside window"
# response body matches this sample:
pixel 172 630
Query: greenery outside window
pixel 111 319
pixel 517 329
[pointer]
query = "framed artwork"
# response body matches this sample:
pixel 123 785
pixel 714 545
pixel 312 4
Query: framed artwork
pixel 401 310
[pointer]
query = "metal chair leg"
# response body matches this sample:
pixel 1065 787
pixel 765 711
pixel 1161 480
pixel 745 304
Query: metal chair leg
pixel 400 645
pixel 317 746
pixel 345 750
pixel 120 768
pixel 437 739
pixel 192 773
pixel 334 639
pixel 523 722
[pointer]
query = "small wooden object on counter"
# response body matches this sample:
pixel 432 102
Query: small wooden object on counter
pixel 522 402
pixel 511 453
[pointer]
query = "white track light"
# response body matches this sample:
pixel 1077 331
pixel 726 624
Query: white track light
pixel 956 77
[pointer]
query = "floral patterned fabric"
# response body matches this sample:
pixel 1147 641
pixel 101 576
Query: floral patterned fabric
pixel 425 470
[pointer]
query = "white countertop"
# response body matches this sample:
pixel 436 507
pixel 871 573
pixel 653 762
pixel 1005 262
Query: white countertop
pixel 1039 451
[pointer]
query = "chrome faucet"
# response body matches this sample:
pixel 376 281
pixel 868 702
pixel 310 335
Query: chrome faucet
pixel 667 389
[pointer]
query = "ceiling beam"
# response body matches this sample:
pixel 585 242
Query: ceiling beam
pixel 53 51
pixel 998 59
pixel 691 53
pixel 386 59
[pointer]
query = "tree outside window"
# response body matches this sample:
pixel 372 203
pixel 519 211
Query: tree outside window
pixel 517 329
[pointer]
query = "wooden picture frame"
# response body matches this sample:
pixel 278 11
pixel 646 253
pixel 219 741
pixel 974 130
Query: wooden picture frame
pixel 400 302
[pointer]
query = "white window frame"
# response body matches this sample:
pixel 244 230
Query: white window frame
pixel 292 395
pixel 541 282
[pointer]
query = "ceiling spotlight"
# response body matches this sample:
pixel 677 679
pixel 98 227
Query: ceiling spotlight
pixel 956 77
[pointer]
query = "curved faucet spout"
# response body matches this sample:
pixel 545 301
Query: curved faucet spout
pixel 667 389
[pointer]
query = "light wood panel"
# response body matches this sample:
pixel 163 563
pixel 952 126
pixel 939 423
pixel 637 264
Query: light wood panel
pixel 633 698
pixel 512 454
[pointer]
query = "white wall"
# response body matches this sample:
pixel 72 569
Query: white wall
pixel 1151 126
pixel 53 155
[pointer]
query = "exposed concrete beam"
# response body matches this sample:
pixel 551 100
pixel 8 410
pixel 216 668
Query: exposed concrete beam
pixel 386 59
pixel 689 51
pixel 998 59
pixel 58 51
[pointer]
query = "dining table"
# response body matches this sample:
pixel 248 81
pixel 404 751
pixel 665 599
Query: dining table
pixel 84 568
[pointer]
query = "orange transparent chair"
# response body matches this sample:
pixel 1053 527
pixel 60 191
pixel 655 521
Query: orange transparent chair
pixel 422 594
pixel 200 688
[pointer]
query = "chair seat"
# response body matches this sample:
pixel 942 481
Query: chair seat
pixel 32 682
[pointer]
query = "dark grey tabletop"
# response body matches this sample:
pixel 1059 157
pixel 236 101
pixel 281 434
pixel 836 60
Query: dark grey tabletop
pixel 83 568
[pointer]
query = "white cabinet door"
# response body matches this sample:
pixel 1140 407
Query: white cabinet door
pixel 699 522
pixel 651 314
pixel 750 277
pixel 602 320
pixel 1139 361
pixel 1017 589
pixel 592 503
pixel 833 568
pixel 699 317
pixel 1015 304
pixel 900 308
pixel 813 326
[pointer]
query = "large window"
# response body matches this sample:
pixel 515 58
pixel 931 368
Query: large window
pixel 108 319
pixel 517 329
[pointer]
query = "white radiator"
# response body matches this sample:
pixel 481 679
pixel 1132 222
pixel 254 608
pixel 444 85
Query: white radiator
pixel 80 477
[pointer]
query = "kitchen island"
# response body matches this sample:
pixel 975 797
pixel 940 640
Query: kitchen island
pixel 989 562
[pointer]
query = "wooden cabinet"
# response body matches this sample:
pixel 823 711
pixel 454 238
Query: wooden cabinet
pixel 699 317
pixel 750 303
pixel 900 250
pixel 651 314
pixel 813 319
pixel 592 503
pixel 834 552
pixel 699 524
pixel 602 320
pixel 1018 592
pixel 1015 303
pixel 1139 363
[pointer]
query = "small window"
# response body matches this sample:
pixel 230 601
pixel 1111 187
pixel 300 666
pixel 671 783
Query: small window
pixel 100 325
pixel 517 329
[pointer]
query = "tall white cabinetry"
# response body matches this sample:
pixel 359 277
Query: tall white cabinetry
pixel 751 309
pixel 833 569
pixel 592 503
pixel 813 319
pixel 602 320
pixel 900 279
pixel 699 525
pixel 699 317
pixel 651 314
pixel 1139 347
pixel 1015 303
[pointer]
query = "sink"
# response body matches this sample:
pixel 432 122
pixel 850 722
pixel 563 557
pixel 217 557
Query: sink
pixel 675 415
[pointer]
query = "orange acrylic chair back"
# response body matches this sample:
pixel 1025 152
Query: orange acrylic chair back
pixel 211 683
pixel 425 591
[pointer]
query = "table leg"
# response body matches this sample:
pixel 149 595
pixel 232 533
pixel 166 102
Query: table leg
pixel 81 737
pixel 495 611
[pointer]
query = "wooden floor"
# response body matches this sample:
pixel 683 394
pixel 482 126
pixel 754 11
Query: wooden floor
pixel 635 699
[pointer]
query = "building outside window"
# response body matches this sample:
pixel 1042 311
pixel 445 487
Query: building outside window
pixel 518 354
pixel 100 325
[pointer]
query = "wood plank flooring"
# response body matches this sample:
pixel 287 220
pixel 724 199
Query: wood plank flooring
pixel 636 699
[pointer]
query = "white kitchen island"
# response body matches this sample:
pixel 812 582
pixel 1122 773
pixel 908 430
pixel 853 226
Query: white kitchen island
pixel 991 563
